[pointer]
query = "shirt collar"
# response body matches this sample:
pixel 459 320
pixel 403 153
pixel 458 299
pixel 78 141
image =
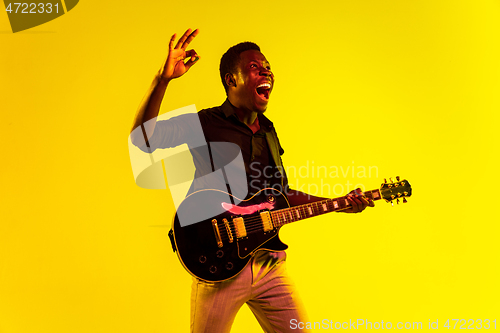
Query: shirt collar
pixel 228 110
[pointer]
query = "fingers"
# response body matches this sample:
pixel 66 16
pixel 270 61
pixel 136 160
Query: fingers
pixel 370 202
pixel 356 204
pixel 192 54
pixel 357 191
pixel 184 41
pixel 190 38
pixel 193 58
pixel 171 44
pixel 359 201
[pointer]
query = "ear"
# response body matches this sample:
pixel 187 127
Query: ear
pixel 230 80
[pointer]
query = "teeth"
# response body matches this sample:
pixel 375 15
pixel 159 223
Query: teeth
pixel 264 85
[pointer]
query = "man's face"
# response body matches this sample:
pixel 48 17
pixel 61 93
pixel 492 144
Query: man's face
pixel 254 81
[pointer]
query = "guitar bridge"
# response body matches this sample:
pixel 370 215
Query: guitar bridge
pixel 267 223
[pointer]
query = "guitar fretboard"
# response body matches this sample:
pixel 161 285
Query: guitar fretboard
pixel 288 215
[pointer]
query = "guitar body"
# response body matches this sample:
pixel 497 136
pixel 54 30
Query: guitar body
pixel 218 247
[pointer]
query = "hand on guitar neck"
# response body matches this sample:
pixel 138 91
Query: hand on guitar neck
pixel 358 201
pixel 356 198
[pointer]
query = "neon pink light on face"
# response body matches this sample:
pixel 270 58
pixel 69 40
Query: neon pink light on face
pixel 246 210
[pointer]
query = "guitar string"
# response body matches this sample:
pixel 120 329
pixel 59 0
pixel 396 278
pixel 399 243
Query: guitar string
pixel 255 223
pixel 285 216
pixel 256 220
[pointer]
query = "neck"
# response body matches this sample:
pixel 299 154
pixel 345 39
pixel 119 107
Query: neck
pixel 246 116
pixel 249 118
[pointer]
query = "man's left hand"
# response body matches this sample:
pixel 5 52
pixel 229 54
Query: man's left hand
pixel 358 201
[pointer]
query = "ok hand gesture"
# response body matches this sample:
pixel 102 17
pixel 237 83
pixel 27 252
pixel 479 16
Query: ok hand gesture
pixel 174 65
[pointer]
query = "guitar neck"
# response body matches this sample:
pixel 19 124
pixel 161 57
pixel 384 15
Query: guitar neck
pixel 292 214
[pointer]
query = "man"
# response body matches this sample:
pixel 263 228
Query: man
pixel 247 78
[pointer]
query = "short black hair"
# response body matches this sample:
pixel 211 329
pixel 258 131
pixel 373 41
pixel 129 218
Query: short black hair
pixel 231 59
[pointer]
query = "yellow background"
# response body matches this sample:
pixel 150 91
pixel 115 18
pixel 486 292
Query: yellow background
pixel 411 87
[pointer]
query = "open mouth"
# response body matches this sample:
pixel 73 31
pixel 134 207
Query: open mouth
pixel 263 90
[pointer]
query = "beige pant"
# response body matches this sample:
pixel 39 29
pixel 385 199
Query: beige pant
pixel 263 285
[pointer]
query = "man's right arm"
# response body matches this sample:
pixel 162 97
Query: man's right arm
pixel 173 67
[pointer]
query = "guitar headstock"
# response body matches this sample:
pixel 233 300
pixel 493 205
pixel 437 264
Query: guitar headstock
pixel 395 190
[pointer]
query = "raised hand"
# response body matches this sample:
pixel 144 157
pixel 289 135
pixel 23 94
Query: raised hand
pixel 175 64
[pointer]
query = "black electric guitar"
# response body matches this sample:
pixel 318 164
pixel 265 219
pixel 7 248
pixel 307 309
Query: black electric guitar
pixel 217 234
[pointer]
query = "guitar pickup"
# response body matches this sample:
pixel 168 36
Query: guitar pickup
pixel 217 233
pixel 239 226
pixel 267 223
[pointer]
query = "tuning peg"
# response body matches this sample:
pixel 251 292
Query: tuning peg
pixel 392 203
pixel 397 178
pixel 385 181
pixel 397 200
pixel 391 180
pixel 404 200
